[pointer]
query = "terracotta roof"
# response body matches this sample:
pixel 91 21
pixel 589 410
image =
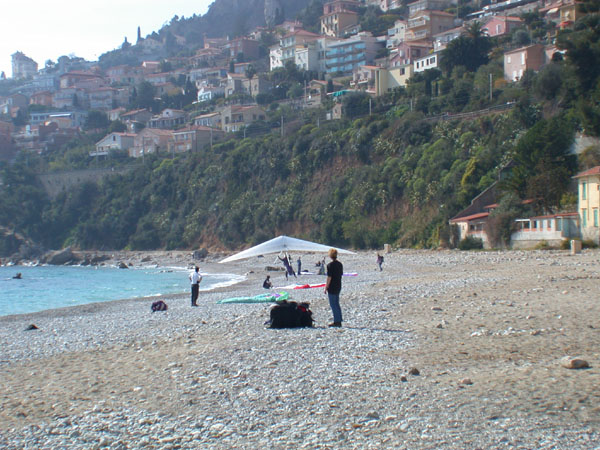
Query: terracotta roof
pixel 471 217
pixel 589 172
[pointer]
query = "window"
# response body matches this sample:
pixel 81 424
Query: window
pixel 559 224
pixel 584 191
pixel 584 217
pixel 523 58
pixel 508 59
pixel 595 210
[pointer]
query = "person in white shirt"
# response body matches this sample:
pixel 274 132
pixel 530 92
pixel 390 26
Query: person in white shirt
pixel 195 279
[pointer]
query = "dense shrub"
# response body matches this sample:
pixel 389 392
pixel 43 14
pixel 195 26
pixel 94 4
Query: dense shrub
pixel 470 243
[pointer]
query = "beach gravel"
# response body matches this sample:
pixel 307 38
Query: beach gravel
pixel 440 350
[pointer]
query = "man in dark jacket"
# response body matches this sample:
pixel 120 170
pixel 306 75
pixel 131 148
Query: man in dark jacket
pixel 335 269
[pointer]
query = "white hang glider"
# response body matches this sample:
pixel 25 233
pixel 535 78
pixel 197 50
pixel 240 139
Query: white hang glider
pixel 282 244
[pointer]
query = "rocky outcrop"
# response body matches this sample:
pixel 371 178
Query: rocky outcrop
pixel 60 257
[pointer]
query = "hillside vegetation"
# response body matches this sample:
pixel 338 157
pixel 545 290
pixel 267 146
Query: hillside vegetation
pixel 394 170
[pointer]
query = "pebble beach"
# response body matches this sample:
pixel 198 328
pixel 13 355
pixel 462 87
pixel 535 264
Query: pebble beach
pixel 440 350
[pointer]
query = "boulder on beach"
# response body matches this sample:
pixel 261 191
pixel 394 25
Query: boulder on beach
pixel 61 257
pixel 569 362
pixel 122 265
pixel 200 254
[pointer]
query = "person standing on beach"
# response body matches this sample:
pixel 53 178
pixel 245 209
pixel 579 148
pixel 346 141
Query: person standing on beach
pixel 195 279
pixel 299 261
pixel 335 269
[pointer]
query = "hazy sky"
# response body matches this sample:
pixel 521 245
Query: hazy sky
pixel 45 29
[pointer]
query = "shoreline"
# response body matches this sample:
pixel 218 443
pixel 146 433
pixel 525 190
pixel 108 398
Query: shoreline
pixel 485 331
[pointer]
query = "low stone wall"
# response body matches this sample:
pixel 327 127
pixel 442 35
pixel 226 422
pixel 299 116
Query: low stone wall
pixel 55 183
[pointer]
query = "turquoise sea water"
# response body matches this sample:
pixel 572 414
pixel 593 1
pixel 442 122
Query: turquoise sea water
pixel 49 287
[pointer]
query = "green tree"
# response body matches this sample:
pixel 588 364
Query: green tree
pixel 96 120
pixel 470 50
pixel 542 163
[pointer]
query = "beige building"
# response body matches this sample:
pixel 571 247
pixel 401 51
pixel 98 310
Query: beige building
pixel 194 138
pixel 387 79
pixel 150 140
pixel 588 203
pixel 424 24
pixel 236 117
pixel 335 23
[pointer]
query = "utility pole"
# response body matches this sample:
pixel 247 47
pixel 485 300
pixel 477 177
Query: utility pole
pixel 491 76
pixel 282 126
pixel 370 106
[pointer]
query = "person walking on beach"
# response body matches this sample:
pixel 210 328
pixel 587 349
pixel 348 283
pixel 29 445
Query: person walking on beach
pixel 335 269
pixel 299 262
pixel 195 279
pixel 379 261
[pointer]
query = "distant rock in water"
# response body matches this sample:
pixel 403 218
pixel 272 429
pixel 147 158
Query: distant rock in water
pixel 122 265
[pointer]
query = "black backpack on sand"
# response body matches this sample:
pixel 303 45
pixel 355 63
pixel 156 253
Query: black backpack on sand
pixel 291 315
pixel 159 306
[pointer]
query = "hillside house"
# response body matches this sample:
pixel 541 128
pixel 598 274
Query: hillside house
pixel 81 80
pixel 194 138
pixel 125 75
pixel 135 118
pixel 397 34
pixel 43 98
pixel 588 203
pixel 407 52
pixel 363 78
pixel 441 40
pixel 107 98
pixel 501 25
pixel 427 5
pixel 168 119
pixel 112 142
pixel 427 62
pixel 207 93
pixel 289 43
pixel 334 24
pixel 424 24
pixel 517 61
pixel 115 114
pixel 387 79
pixel 245 46
pixel 150 140
pixel 70 98
pixel 343 56
pixel 237 117
pixel 275 57
pixel 212 120
pixel 385 5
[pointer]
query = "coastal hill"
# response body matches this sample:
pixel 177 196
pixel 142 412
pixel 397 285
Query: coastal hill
pixel 359 168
